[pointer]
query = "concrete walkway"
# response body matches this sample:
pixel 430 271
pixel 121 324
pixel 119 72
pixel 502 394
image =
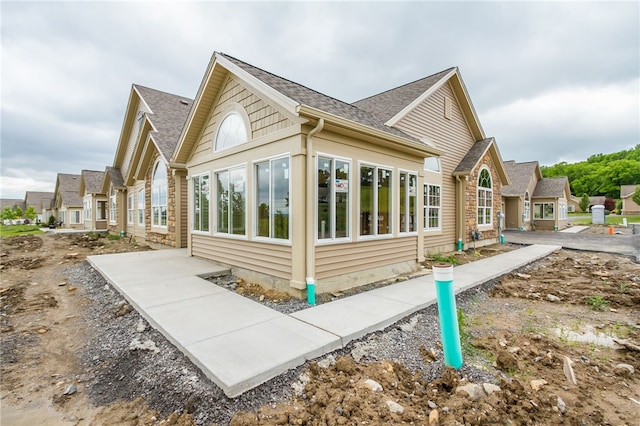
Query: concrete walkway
pixel 574 229
pixel 239 343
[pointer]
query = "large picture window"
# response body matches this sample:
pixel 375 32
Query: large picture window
pixel 141 203
pixel 159 195
pixel 232 132
pixel 101 214
pixel 408 202
pixel 375 200
pixel 333 198
pixel 432 210
pixel 231 201
pixel 201 203
pixel 543 211
pixel 485 198
pixel 272 198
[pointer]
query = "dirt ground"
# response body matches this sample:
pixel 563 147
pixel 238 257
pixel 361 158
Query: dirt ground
pixel 560 338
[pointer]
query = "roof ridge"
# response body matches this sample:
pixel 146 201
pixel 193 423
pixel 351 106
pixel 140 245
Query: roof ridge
pixel 294 82
pixel 161 91
pixel 405 84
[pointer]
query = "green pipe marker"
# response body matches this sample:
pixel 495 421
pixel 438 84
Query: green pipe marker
pixel 443 274
pixel 311 291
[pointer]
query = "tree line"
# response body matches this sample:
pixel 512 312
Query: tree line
pixel 600 174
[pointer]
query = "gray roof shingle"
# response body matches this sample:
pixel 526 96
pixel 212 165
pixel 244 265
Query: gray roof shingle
pixel 68 188
pixel 520 175
pixel 35 199
pixel 472 157
pixel 93 181
pixel 386 105
pixel 115 176
pixel 12 203
pixel 317 100
pixel 168 114
pixel 552 187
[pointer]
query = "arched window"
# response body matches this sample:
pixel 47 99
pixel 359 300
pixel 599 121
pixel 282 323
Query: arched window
pixel 485 198
pixel 432 164
pixel 232 132
pixel 527 206
pixel 159 195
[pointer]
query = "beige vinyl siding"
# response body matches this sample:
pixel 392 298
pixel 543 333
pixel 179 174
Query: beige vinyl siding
pixel 339 259
pixel 263 118
pixel 449 135
pixel 131 143
pixel 184 215
pixel 270 259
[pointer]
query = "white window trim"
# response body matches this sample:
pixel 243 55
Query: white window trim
pixel 254 194
pixel 113 205
pixel 157 227
pixel 484 226
pixel 233 108
pixel 214 202
pixel 325 241
pixel 417 219
pixel 392 212
pixel 138 206
pixel 543 210
pixel 192 197
pixel 437 159
pixel 425 208
pixel 131 211
pixel 527 207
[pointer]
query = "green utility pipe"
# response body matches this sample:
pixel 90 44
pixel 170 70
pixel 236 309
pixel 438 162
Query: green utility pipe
pixel 443 274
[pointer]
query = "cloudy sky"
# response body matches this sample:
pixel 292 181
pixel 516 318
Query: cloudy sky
pixel 551 81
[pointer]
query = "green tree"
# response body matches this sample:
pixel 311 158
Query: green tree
pixel 7 214
pixel 636 195
pixel 18 212
pixel 584 202
pixel 30 213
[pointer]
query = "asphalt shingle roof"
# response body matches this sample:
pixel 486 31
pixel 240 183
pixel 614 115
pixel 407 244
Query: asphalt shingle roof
pixel 115 176
pixel 93 181
pixel 474 155
pixel 68 188
pixel 317 100
pixel 35 199
pixel 12 203
pixel 627 190
pixel 520 175
pixel 386 105
pixel 168 114
pixel 552 187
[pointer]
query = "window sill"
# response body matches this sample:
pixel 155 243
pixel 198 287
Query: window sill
pixel 160 229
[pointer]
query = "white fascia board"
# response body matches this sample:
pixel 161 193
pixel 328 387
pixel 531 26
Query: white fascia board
pixel 393 120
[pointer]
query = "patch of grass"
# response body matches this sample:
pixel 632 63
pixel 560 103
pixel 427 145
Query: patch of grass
pixel 609 219
pixel 597 303
pixel 113 237
pixel 465 336
pixel 451 259
pixel 623 287
pixel 7 231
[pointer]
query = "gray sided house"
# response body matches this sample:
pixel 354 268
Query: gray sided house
pixel 628 205
pixel 289 187
pixel 67 202
pixel 94 200
pixel 146 193
pixel 38 200
pixel 534 202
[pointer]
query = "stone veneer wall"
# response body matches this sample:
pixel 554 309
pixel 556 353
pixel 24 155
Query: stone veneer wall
pixel 471 199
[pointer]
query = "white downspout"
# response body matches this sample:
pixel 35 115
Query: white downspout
pixel 310 225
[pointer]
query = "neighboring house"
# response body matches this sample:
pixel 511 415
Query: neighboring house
pixel 574 204
pixel 597 200
pixel 94 200
pixel 289 187
pixel 12 203
pixel 147 195
pixel 628 205
pixel 533 201
pixel 36 199
pixel 67 201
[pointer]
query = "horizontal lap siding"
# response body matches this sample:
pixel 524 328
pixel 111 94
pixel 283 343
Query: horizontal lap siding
pixel 454 138
pixel 263 118
pixel 338 259
pixel 184 212
pixel 270 259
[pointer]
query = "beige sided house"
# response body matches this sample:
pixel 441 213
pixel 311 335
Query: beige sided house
pixel 628 205
pixel 288 186
pixel 36 199
pixel 532 201
pixel 67 201
pixel 147 194
pixel 94 200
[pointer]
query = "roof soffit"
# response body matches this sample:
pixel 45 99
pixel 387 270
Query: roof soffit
pixel 127 125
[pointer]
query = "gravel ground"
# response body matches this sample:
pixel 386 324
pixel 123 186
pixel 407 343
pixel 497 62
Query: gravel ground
pixel 127 358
